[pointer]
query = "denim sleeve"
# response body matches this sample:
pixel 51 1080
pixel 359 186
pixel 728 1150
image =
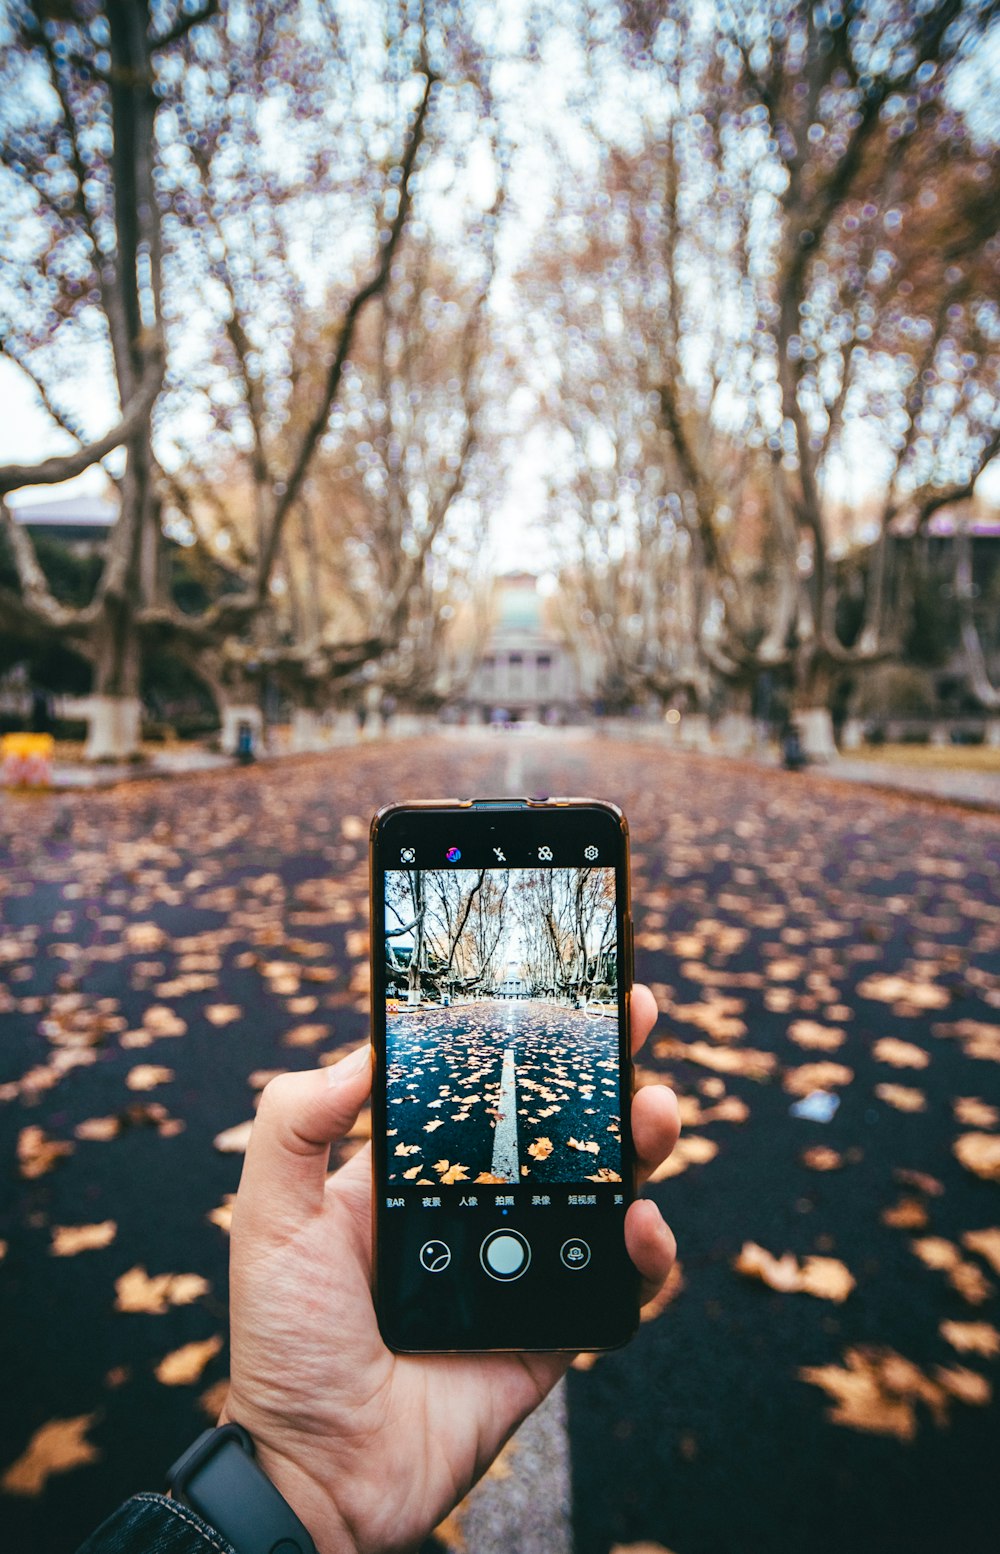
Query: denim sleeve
pixel 152 1524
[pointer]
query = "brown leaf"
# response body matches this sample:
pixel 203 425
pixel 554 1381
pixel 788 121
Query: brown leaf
pixel 986 1243
pixel 820 1157
pixel 56 1447
pixel 690 1149
pixel 306 1035
pixel 825 1277
pixel 68 1240
pixel 809 1033
pixel 973 1113
pixel 146 1076
pixel 589 1147
pixel 407 1149
pixel 725 1060
pixel 222 1014
pixel 212 1401
pixel 430 1127
pixel 223 1214
pixel 451 1173
pixel 972 1338
pixel 486 1178
pixel 185 1365
pixel 966 1385
pixel 99 1128
pixel 875 1391
pixel 604 1174
pixel 980 1154
pixel 900 1054
pixel 160 1020
pixel 37 1154
pixel 541 1149
pixel 902 1097
pixel 907 1214
pixel 234 1141
pixel 136 1290
pixel 816 1076
pixel 920 1180
pixel 919 993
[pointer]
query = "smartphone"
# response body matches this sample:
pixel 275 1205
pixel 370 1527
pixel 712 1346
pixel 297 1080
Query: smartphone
pixel 502 1156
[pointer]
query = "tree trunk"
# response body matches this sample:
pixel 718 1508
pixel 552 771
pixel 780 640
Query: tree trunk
pixel 115 723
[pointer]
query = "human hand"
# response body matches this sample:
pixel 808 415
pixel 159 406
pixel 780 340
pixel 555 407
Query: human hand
pixel 370 1448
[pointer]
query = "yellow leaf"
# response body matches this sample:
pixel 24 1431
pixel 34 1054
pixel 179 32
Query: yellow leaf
pixel 809 1033
pixel 223 1215
pixel 222 1014
pixel 146 1076
pixel 973 1113
pixel 902 1097
pixel 986 1243
pixel 816 1076
pixel 972 1338
pixel 822 1158
pixel 690 1149
pixel 979 1153
pixel 54 1448
pixel 825 1277
pixel 900 1054
pixel 234 1141
pixel 185 1365
pixel 68 1240
pixel 136 1290
pixel 589 1148
pixel 541 1149
pixel 37 1154
pixel 306 1035
pixel 907 1214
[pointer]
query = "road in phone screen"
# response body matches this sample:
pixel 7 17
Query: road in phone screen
pixel 502 1041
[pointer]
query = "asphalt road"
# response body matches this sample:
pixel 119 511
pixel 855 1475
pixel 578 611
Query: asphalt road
pixel 211 930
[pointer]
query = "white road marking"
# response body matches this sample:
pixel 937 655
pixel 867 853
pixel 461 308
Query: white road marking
pixel 505 1161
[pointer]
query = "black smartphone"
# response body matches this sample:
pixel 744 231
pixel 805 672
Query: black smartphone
pixel 502 1155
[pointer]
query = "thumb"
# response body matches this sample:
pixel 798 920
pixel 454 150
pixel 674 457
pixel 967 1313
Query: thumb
pixel 287 1159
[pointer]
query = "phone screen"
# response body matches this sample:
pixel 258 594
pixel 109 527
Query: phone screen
pixel 503 1164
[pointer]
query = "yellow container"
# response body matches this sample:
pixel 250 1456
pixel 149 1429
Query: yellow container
pixel 26 760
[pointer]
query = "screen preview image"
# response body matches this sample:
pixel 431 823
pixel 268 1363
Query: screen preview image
pixel 502 1044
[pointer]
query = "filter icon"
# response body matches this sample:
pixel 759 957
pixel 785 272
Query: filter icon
pixel 453 854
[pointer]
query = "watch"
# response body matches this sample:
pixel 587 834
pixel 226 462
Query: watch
pixel 220 1479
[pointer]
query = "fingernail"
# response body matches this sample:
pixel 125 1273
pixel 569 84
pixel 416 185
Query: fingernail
pixel 349 1067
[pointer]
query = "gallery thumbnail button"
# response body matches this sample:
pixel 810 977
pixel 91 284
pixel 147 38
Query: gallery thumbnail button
pixel 435 1256
pixel 505 1254
pixel 575 1253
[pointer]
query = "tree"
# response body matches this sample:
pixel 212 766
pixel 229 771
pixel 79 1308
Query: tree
pixel 104 105
pixel 445 929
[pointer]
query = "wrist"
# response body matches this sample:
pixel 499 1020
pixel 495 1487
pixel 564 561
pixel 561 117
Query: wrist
pixel 309 1501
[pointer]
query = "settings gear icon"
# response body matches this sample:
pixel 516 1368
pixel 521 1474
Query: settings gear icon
pixel 545 855
pixel 590 853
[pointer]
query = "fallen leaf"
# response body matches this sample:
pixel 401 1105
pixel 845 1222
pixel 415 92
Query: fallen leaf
pixel 306 1035
pixel 589 1147
pixel 136 1290
pixel 920 1180
pixel 56 1447
pixel 725 1060
pixel 222 1014
pixel 825 1277
pixel 690 1149
pixel 968 1386
pixel 234 1141
pixel 907 1214
pixel 875 1391
pixel 973 1113
pixel 986 1243
pixel 98 1128
pixel 980 1154
pixel 146 1076
pixel 37 1153
pixel 212 1401
pixel 809 1033
pixel 541 1149
pixel 160 1020
pixel 223 1214
pixel 185 1365
pixel 972 1338
pixel 943 1256
pixel 68 1240
pixel 918 993
pixel 816 1076
pixel 902 1097
pixel 900 1054
pixel 822 1158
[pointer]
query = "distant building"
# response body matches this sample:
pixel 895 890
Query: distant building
pixel 81 523
pixel 527 670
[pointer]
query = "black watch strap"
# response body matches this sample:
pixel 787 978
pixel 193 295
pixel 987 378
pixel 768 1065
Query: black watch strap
pixel 219 1478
